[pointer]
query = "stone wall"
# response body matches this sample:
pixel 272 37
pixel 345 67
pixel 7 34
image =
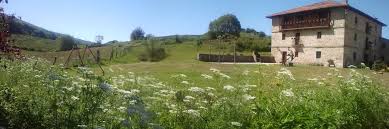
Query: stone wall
pixel 384 51
pixel 355 39
pixel 230 58
pixel 331 43
pixel 344 42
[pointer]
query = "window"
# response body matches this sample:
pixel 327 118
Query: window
pixel 318 35
pixel 367 44
pixel 296 54
pixel 283 36
pixel 355 37
pixel 297 39
pixel 356 20
pixel 368 28
pixel 355 56
pixel 318 54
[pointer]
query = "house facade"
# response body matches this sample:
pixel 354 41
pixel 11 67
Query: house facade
pixel 327 33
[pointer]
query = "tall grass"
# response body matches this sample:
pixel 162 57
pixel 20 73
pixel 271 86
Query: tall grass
pixel 36 95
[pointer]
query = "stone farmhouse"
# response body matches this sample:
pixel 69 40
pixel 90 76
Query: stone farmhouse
pixel 328 33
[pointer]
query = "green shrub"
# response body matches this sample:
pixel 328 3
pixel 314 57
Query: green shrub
pixel 152 52
pixel 379 65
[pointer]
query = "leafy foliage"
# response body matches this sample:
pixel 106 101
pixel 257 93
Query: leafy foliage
pixel 253 31
pixel 152 52
pixel 226 24
pixel 137 34
pixel 67 43
pixel 379 65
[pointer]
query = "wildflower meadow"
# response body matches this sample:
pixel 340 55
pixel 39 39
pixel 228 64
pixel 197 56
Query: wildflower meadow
pixel 36 95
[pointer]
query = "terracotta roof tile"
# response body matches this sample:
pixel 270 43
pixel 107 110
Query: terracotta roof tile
pixel 324 5
pixel 316 6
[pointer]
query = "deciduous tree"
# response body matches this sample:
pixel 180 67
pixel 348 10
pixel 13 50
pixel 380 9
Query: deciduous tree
pixel 225 25
pixel 138 34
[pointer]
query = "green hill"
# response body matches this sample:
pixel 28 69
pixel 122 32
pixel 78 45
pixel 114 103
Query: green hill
pixel 32 43
pixel 34 38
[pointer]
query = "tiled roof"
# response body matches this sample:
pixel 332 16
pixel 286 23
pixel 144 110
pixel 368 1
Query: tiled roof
pixel 324 5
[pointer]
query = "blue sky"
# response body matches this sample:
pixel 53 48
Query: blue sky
pixel 115 19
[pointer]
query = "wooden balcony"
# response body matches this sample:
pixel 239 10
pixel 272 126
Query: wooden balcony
pixel 306 21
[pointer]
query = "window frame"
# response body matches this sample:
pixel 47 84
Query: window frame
pixel 319 35
pixel 318 54
pixel 356 20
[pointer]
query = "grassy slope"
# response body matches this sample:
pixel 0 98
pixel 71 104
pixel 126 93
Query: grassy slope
pixel 181 59
pixel 35 43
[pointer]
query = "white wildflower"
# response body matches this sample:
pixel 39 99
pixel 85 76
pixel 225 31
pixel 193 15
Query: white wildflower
pixel 192 112
pixel 189 97
pixel 132 102
pixel 111 70
pixel 214 70
pixel 248 97
pixel 245 72
pixel 211 94
pixel 352 66
pixel 224 75
pixel 236 124
pixel 81 79
pixel 179 76
pixel 125 92
pixel 288 92
pixel 135 91
pixel 312 79
pixel 196 89
pixel 185 82
pixel 122 109
pixel 172 111
pixel 69 88
pixel 250 86
pixel 82 126
pixel 229 88
pixel 206 76
pixel 209 89
pixel 75 98
pixel 284 71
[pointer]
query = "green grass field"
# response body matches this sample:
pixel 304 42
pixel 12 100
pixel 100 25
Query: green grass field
pixel 180 92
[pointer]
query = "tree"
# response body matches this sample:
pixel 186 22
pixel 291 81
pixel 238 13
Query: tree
pixel 225 25
pixel 67 43
pixel 138 34
pixel 6 1
pixel 149 36
pixel 178 40
pixel 261 34
pixel 249 30
pixel 99 39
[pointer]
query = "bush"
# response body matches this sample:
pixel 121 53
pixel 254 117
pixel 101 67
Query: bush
pixel 67 43
pixel 153 52
pixel 379 65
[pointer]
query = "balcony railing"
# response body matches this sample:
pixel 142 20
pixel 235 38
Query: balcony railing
pixel 306 20
pixel 306 24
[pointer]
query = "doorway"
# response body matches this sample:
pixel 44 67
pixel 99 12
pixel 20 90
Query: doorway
pixel 284 54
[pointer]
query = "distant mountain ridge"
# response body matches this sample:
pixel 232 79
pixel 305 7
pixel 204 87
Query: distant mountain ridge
pixel 21 27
